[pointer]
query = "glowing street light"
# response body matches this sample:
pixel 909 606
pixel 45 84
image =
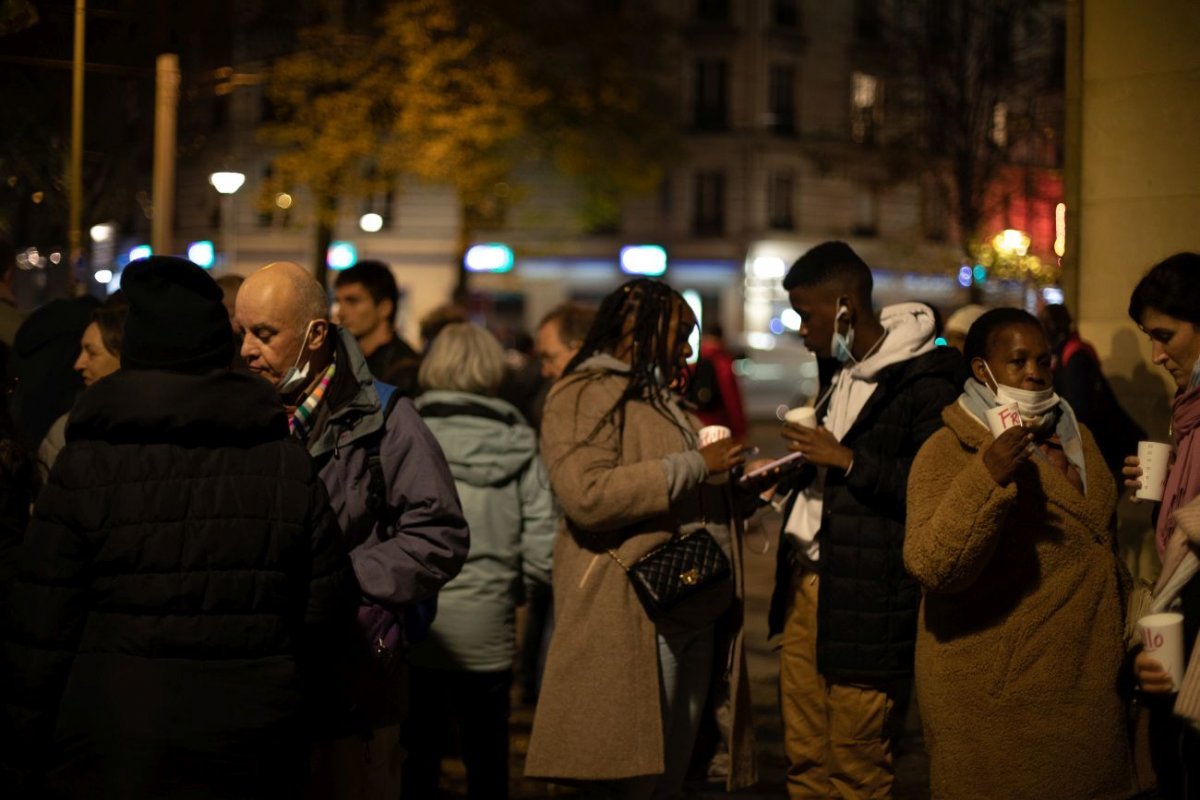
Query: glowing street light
pixel 371 223
pixel 227 183
pixel 1011 243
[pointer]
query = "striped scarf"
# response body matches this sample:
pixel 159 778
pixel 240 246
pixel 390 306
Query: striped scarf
pixel 300 420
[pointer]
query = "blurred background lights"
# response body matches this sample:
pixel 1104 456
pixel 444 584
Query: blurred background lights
pixel 1053 295
pixel 341 255
pixel 103 275
pixel 692 298
pixel 227 182
pixel 371 223
pixel 283 200
pixel 979 273
pixel 141 251
pixel 1011 242
pixel 790 319
pixel 768 268
pixel 965 277
pixel 1060 230
pixel 102 232
pixel 643 259
pixel 492 257
pixel 202 253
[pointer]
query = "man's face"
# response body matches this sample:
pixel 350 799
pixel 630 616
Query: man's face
pixel 817 308
pixel 272 335
pixel 552 352
pixel 357 310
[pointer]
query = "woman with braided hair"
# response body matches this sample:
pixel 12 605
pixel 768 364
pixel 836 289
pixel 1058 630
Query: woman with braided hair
pixel 628 686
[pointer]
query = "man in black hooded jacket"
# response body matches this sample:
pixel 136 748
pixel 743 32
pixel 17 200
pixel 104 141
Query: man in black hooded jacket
pixel 182 577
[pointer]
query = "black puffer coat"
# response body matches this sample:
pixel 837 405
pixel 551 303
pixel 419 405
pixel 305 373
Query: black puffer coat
pixel 867 603
pixel 180 579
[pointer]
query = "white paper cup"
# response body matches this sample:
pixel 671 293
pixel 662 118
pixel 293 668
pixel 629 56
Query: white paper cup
pixel 1154 457
pixel 1162 639
pixel 1001 418
pixel 802 417
pixel 713 433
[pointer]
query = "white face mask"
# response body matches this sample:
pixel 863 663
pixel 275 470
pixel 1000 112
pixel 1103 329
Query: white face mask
pixel 297 376
pixel 1032 405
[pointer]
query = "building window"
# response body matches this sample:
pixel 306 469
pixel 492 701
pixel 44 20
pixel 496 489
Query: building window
pixel 866 107
pixel 780 201
pixel 934 214
pixel 266 205
pixel 709 204
pixel 867 22
pixel 782 88
pixel 712 97
pixel 712 10
pixel 1000 125
pixel 783 13
pixel 866 212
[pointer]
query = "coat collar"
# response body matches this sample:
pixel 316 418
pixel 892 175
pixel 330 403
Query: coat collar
pixel 354 410
pixel 153 406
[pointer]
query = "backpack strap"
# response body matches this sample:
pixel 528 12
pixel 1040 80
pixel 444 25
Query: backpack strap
pixel 377 483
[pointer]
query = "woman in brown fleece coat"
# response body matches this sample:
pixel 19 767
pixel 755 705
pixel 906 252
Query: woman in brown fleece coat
pixel 623 694
pixel 1021 636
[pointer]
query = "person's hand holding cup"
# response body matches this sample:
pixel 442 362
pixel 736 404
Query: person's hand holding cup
pixel 721 453
pixel 1146 473
pixel 1159 667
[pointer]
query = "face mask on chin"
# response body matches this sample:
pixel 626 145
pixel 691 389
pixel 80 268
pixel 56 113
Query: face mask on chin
pixel 1034 406
pixel 297 376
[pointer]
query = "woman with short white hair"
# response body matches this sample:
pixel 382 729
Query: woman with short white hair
pixel 460 676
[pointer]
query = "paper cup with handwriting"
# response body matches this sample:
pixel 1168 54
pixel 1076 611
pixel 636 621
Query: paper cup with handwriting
pixel 1154 457
pixel 713 433
pixel 802 417
pixel 1162 640
pixel 1001 418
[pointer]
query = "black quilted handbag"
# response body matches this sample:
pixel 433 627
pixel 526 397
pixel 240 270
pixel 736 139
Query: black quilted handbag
pixel 676 570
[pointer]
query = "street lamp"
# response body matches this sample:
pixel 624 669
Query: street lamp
pixel 227 183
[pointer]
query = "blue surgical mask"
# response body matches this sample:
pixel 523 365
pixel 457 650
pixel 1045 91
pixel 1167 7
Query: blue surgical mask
pixel 843 342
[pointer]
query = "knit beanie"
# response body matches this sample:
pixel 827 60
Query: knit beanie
pixel 177 321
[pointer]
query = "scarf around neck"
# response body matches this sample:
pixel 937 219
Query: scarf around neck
pixel 978 398
pixel 1183 481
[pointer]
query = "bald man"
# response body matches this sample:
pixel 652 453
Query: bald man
pixel 390 486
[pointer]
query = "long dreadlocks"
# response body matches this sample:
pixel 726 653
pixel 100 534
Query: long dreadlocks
pixel 637 317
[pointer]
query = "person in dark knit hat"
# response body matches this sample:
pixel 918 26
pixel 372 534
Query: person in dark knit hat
pixel 182 578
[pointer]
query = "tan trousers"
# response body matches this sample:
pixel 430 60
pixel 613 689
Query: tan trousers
pixel 835 734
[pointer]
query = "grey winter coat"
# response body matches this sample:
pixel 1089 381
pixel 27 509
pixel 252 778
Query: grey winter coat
pixel 506 497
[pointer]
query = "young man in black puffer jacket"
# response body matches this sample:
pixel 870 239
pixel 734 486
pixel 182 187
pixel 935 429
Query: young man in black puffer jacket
pixel 182 583
pixel 843 601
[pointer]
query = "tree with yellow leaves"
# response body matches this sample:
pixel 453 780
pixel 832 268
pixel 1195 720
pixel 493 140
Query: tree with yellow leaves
pixel 333 112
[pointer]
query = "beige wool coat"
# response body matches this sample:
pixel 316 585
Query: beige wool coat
pixel 1020 641
pixel 598 715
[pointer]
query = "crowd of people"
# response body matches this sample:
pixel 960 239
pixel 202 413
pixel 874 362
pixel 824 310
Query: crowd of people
pixel 253 544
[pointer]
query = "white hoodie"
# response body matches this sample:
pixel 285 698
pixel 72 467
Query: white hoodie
pixel 909 331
